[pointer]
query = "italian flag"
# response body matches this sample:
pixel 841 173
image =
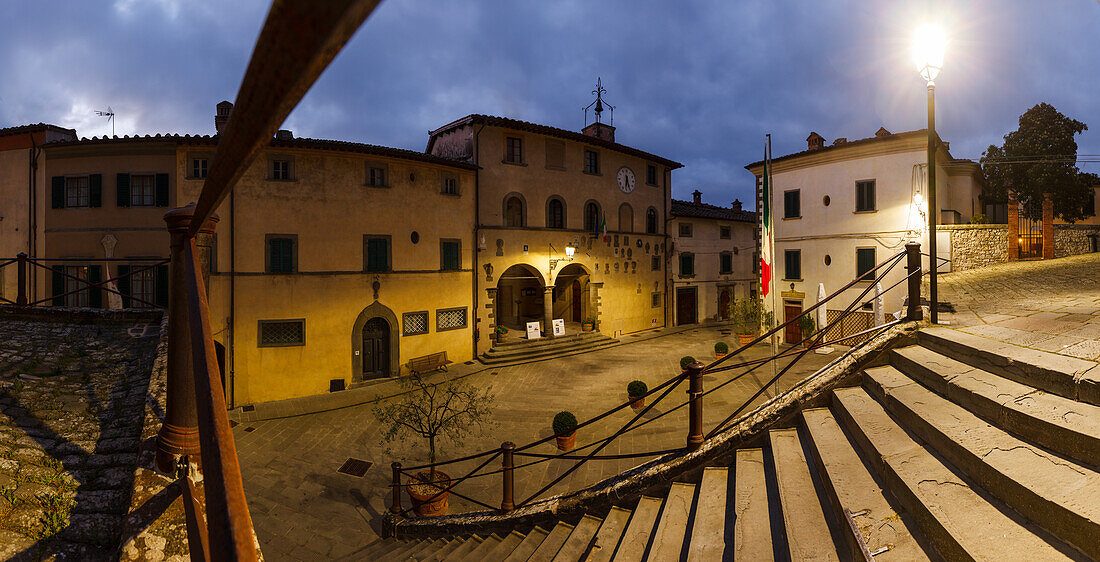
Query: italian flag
pixel 604 228
pixel 766 258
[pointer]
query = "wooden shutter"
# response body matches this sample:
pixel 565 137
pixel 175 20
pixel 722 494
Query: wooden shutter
pixel 95 190
pixel 865 261
pixel 281 255
pixel 124 284
pixel 162 190
pixel 378 254
pixel 57 192
pixel 122 190
pixel 162 286
pixel 452 255
pixel 95 294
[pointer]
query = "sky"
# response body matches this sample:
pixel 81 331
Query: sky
pixel 698 82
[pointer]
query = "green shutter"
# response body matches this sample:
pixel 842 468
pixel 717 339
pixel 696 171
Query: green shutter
pixel 95 190
pixel 452 255
pixel 162 286
pixel 377 255
pixel 162 190
pixel 281 255
pixel 865 261
pixel 122 190
pixel 95 294
pixel 58 192
pixel 124 284
pixel 58 285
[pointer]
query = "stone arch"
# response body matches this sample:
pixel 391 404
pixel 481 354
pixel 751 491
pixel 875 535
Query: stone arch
pixel 519 296
pixel 626 218
pixel 572 293
pixel 374 310
pixel 514 209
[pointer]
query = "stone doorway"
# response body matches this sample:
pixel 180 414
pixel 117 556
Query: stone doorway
pixel 571 294
pixel 519 298
pixel 376 335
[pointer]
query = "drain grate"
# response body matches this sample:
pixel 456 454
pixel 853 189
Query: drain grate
pixel 248 408
pixel 233 423
pixel 355 467
pixel 249 429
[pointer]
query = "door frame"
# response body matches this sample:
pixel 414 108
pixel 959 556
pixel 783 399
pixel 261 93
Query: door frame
pixel 795 326
pixel 694 291
pixel 374 310
pixel 382 367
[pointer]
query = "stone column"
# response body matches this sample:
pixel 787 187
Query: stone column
pixel 1048 227
pixel 492 292
pixel 548 311
pixel 1013 209
pixel 179 435
pixel 594 304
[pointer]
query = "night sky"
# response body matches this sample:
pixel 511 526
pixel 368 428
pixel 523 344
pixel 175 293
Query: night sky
pixel 697 82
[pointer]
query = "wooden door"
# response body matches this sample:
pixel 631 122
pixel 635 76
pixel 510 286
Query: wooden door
pixel 793 332
pixel 577 301
pixel 685 306
pixel 724 304
pixel 376 349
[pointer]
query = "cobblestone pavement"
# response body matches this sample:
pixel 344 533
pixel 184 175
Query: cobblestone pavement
pixel 304 510
pixel 1052 305
pixel 72 400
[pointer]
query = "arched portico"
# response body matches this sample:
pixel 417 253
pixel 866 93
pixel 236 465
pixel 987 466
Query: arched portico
pixel 375 344
pixel 572 294
pixel 519 297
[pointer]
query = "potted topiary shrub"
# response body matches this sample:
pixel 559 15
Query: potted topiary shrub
pixel 637 390
pixel 565 430
pixel 807 325
pixel 721 350
pixel 588 324
pixel 685 361
pixel 747 316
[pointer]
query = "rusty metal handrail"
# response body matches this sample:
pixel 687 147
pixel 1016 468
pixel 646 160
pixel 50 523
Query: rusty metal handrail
pixel 22 260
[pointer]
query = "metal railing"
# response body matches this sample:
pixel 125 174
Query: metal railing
pixel 696 437
pixel 23 264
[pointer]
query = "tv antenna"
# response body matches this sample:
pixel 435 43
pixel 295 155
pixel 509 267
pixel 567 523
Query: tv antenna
pixel 110 115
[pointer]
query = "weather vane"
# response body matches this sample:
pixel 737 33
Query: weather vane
pixel 110 115
pixel 599 103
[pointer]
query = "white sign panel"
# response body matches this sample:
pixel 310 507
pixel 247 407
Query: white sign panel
pixel 534 332
pixel 559 326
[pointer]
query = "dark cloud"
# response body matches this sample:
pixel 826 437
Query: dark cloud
pixel 698 82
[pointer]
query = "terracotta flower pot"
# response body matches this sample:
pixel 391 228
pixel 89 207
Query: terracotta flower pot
pixel 745 339
pixel 719 355
pixel 420 493
pixel 567 442
pixel 807 343
pixel 587 327
pixel 638 402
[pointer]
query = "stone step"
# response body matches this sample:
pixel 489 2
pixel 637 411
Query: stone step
pixel 577 543
pixel 850 486
pixel 467 546
pixel 550 546
pixel 444 551
pixel 507 545
pixel 752 530
pixel 478 553
pixel 808 536
pixel 490 358
pixel 557 340
pixel 668 539
pixel 1062 425
pixel 528 545
pixel 957 521
pixel 1069 377
pixel 639 531
pixel 708 534
pixel 1058 494
pixel 609 535
pixel 401 550
pixel 425 550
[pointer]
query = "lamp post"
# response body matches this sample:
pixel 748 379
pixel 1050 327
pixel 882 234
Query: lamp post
pixel 928 48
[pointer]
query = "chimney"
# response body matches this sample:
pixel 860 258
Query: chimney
pixel 222 115
pixel 697 196
pixel 815 141
pixel 841 140
pixel 882 132
pixel 284 135
pixel 736 204
pixel 600 131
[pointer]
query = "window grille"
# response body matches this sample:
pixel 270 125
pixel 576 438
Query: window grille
pixel 275 333
pixel 413 323
pixel 450 319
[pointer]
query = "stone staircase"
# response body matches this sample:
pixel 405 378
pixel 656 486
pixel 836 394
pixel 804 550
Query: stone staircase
pixel 521 350
pixel 955 448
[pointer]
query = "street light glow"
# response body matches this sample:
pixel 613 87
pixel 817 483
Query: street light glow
pixel 929 43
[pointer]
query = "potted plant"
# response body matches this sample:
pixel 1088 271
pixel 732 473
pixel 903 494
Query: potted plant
pixel 807 325
pixel 588 324
pixel 500 331
pixel 443 411
pixel 721 350
pixel 747 317
pixel 565 430
pixel 637 390
pixel 685 361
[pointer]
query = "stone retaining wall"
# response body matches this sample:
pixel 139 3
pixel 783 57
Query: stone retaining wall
pixel 1074 239
pixel 977 245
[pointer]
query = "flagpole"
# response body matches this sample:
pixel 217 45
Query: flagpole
pixel 771 250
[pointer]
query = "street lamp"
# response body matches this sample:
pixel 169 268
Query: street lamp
pixel 570 249
pixel 928 46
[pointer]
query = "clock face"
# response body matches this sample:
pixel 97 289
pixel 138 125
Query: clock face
pixel 626 179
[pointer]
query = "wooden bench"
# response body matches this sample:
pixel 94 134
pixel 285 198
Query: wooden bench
pixel 431 362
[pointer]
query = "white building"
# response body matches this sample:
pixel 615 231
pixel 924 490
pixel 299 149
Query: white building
pixel 839 210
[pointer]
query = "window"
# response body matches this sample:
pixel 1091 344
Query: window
pixel 280 168
pixel 555 154
pixel 513 150
pixel 77 191
pixel 725 263
pixel 414 323
pixel 450 254
pixel 376 254
pixel 142 190
pixel 725 232
pixel 792 264
pixel 656 263
pixel 513 211
pixel 376 174
pixel 591 162
pixel 657 299
pixel 555 213
pixel 143 287
pixel 450 185
pixel 450 319
pixel 687 264
pixel 281 333
pixel 651 174
pixel 592 216
pixel 651 221
pixel 865 262
pixel 685 230
pixel 626 218
pixel 199 168
pixel 865 196
pixel 792 204
pixel 282 255
pixel 82 294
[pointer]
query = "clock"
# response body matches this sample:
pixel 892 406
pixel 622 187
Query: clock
pixel 626 179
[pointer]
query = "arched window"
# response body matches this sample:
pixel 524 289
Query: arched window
pixel 626 218
pixel 513 211
pixel 651 221
pixel 592 216
pixel 555 213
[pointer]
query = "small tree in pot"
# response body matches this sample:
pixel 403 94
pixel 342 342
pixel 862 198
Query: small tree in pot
pixel 448 411
pixel 685 361
pixel 637 390
pixel 807 326
pixel 565 430
pixel 721 350
pixel 748 314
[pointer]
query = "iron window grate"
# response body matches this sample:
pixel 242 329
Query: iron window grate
pixel 413 323
pixel 450 318
pixel 282 332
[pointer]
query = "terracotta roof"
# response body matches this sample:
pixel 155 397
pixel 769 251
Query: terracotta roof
pixel 34 128
pixel 884 138
pixel 549 131
pixel 707 211
pixel 308 143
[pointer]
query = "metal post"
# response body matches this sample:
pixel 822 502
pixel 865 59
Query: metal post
pixel 912 268
pixel 507 449
pixel 933 209
pixel 395 507
pixel 21 296
pixel 695 405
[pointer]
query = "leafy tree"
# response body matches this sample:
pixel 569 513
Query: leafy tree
pixel 1038 158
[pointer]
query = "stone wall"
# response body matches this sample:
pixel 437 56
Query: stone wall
pixel 1073 239
pixel 977 245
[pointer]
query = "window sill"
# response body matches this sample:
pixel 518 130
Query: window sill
pixel 280 272
pixel 558 168
pixel 281 344
pixel 652 184
pixel 592 173
pixel 799 217
pixel 692 276
pixel 510 163
pixel 194 178
pixel 413 334
pixel 450 329
pixel 380 186
pixel 865 212
pixel 450 194
pixel 791 280
pixel 292 180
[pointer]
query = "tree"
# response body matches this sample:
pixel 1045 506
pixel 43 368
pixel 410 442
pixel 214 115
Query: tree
pixel 1037 158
